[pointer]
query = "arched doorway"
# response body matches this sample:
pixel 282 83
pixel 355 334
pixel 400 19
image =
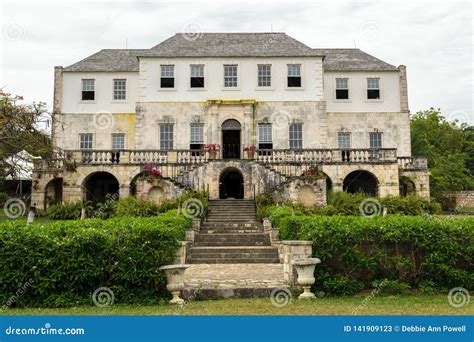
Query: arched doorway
pixel 100 186
pixel 361 181
pixel 231 184
pixel 407 186
pixel 54 192
pixel 231 139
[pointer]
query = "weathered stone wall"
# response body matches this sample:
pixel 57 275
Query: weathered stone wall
pixel 462 198
pixel 421 179
pixel 157 191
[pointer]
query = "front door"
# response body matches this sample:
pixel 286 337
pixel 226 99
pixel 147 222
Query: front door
pixel 231 144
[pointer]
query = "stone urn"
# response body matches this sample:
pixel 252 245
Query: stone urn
pixel 175 279
pixel 305 270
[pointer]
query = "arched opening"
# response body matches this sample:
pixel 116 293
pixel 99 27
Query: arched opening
pixel 361 181
pixel 231 139
pixel 231 184
pixel 54 192
pixel 134 184
pixel 307 196
pixel 407 186
pixel 100 186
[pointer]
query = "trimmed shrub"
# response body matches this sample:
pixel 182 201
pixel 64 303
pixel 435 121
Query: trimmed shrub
pixel 418 251
pixel 64 262
pixel 66 211
pixel 132 206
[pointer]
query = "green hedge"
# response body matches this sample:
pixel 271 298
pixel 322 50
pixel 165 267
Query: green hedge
pixel 68 260
pixel 423 253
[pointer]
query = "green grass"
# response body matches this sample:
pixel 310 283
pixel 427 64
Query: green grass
pixel 378 305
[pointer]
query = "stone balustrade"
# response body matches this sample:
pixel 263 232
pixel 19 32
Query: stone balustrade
pixel 413 163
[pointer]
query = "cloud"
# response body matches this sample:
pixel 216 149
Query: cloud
pixel 434 39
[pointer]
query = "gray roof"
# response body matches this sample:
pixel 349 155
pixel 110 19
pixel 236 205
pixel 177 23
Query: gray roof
pixel 352 60
pixel 230 45
pixel 109 60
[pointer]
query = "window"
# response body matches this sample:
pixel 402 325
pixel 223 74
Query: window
pixel 85 141
pixel 294 75
pixel 166 136
pixel 230 76
pixel 197 136
pixel 375 139
pixel 296 135
pixel 167 76
pixel 120 89
pixel 343 140
pixel 265 137
pixel 264 75
pixel 88 90
pixel 342 88
pixel 373 88
pixel 118 141
pixel 197 76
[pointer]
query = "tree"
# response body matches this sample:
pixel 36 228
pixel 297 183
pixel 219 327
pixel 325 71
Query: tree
pixel 449 147
pixel 22 127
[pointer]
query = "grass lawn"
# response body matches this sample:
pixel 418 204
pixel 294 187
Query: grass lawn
pixel 379 305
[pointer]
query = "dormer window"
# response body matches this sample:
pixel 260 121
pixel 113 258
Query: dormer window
pixel 373 88
pixel 342 88
pixel 197 76
pixel 294 76
pixel 167 76
pixel 88 90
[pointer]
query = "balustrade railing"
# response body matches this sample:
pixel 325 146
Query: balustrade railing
pixel 413 163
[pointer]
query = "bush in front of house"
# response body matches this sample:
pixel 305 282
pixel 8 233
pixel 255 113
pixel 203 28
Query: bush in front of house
pixel 62 263
pixel 408 251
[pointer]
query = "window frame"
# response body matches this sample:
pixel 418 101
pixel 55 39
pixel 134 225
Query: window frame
pixel 265 144
pixel 93 90
pixel 336 88
pixel 115 135
pixel 371 134
pixel 167 77
pixel 89 141
pixel 190 85
pixel 200 127
pixel 290 139
pixel 166 139
pixel 371 88
pixel 288 87
pixel 114 90
pixel 237 86
pixel 349 140
pixel 268 76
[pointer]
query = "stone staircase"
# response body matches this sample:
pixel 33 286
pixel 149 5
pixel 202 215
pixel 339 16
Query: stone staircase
pixel 231 235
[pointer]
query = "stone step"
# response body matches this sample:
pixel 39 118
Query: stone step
pixel 251 249
pixel 231 243
pixel 200 237
pixel 211 260
pixel 231 231
pixel 232 225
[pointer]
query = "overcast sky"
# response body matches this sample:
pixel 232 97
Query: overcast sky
pixel 433 39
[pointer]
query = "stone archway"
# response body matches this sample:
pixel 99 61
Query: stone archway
pixel 53 192
pixel 407 186
pixel 361 181
pixel 231 184
pixel 99 186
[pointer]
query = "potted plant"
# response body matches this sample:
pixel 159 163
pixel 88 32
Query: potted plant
pixel 152 172
pixel 212 148
pixel 250 151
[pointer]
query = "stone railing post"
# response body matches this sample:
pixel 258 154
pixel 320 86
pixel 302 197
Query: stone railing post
pixel 180 257
pixel 293 250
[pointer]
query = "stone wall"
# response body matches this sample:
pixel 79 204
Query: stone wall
pixel 462 198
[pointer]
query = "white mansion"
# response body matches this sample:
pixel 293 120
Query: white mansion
pixel 196 108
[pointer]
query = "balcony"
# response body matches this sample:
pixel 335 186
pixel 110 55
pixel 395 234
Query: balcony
pixel 74 158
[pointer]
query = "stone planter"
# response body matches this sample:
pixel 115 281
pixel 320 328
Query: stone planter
pixel 305 270
pixel 175 279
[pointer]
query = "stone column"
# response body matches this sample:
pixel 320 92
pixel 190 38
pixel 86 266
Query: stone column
pixel 58 95
pixel 294 250
pixel 247 138
pixel 124 191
